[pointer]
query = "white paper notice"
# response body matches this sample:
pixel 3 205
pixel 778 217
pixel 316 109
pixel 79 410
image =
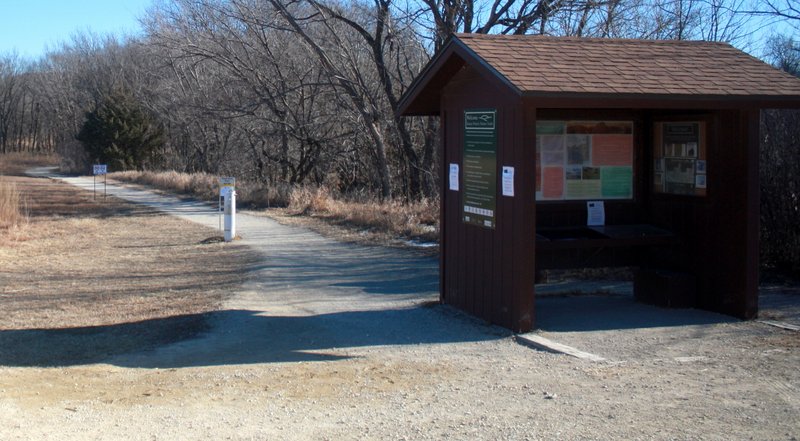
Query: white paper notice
pixel 454 177
pixel 596 213
pixel 508 181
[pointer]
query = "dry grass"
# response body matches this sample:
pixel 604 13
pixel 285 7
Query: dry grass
pixel 199 185
pixel 415 221
pixel 359 218
pixel 11 213
pixel 91 278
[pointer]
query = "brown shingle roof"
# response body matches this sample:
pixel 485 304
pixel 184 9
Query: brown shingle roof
pixel 547 65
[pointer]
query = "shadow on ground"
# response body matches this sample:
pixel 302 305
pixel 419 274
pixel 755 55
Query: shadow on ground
pixel 245 337
pixel 92 344
pixel 614 312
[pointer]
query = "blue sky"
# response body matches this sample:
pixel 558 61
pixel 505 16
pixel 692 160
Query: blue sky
pixel 30 26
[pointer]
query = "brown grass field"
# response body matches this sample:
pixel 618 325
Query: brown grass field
pixel 122 276
pixel 355 218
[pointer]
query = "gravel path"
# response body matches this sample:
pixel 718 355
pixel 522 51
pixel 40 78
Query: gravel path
pixel 340 341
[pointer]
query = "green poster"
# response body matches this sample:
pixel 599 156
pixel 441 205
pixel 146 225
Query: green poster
pixel 617 182
pixel 549 128
pixel 480 167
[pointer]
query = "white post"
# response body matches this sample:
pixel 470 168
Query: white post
pixel 230 216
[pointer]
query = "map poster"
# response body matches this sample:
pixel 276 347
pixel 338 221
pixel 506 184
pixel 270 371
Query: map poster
pixel 480 167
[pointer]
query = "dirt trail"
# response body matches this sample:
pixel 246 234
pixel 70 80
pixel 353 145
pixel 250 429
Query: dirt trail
pixel 339 341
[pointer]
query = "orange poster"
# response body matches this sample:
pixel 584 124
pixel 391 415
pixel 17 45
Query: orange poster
pixel 612 150
pixel 552 182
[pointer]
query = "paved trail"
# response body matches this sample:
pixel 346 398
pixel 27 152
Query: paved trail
pixel 310 294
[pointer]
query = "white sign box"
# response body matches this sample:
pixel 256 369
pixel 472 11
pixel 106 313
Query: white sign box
pixel 226 185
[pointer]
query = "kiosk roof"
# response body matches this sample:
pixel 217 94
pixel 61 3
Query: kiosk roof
pixel 542 66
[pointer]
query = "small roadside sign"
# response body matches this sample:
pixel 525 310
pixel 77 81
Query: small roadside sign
pixel 226 185
pixel 99 169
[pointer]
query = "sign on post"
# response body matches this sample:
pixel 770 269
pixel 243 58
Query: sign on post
pixel 99 169
pixel 226 185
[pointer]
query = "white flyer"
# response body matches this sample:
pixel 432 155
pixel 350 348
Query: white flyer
pixel 454 177
pixel 508 181
pixel 596 213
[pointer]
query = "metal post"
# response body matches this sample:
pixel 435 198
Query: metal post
pixel 230 216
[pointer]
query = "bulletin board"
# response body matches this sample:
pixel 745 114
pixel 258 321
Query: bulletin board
pixel 582 160
pixel 679 155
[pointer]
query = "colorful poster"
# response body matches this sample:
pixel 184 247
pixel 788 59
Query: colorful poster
pixel 583 189
pixel 552 150
pixel 584 160
pixel 578 152
pixel 552 182
pixel 612 150
pixel 600 127
pixel 617 182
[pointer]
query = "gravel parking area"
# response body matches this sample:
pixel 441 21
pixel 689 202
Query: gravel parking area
pixel 325 340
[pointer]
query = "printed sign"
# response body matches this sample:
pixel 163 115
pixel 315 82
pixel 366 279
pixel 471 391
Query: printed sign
pixel 454 177
pixel 226 185
pixel 596 213
pixel 480 167
pixel 508 181
pixel 100 169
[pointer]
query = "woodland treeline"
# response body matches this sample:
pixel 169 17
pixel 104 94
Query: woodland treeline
pixel 304 91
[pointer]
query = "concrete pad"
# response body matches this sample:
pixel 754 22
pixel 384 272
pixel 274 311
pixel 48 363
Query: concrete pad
pixel 538 342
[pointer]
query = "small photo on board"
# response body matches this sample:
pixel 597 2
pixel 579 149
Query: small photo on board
pixel 591 173
pixel 700 181
pixel 691 149
pixel 578 151
pixel 573 173
pixel 675 150
pixel 700 167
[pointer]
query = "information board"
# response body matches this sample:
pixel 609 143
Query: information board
pixel 680 158
pixel 100 169
pixel 480 167
pixel 584 160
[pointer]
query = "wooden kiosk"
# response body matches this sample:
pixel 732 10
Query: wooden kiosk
pixel 567 152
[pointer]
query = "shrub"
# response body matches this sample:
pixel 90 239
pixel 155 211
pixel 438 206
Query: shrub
pixel 120 133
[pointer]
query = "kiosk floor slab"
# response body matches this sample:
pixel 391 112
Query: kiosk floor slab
pixel 616 327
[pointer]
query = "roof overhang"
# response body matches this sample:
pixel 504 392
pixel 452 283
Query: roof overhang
pixel 651 101
pixel 423 96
